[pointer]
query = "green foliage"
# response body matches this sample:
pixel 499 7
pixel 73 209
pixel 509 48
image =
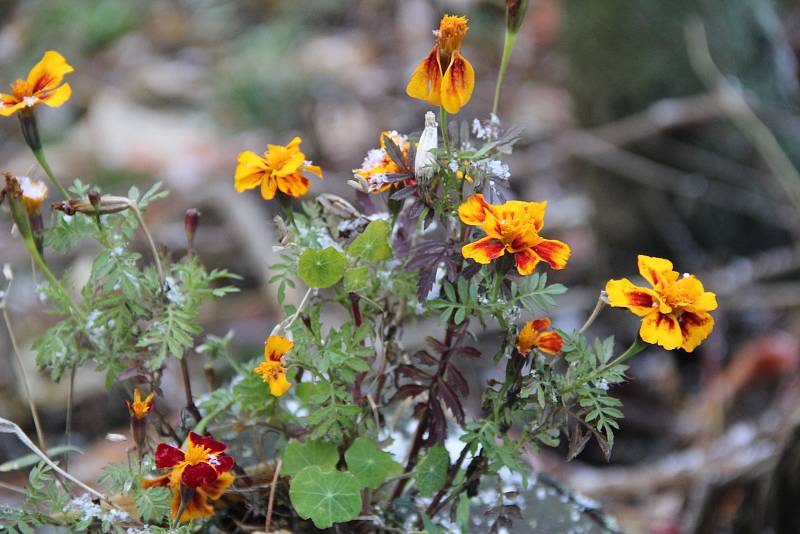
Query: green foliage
pixel 298 456
pixel 321 268
pixel 373 243
pixel 370 465
pixel 153 504
pixel 432 471
pixel 356 279
pixel 325 497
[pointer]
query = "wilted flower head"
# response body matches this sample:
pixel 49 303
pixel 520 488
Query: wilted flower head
pixel 378 168
pixel 534 335
pixel 452 87
pixel 282 168
pixel 139 409
pixel 512 227
pixel 425 160
pixel 43 85
pixel 201 468
pixel 675 311
pixel 34 192
pixel 270 370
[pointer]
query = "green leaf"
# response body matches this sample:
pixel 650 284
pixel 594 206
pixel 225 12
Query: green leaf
pixel 462 513
pixel 325 497
pixel 32 459
pixel 370 465
pixel 432 471
pixel 356 279
pixel 153 504
pixel 298 455
pixel 373 243
pixel 321 268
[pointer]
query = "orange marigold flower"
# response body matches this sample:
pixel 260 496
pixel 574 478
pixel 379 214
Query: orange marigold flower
pixel 512 227
pixel 452 87
pixel 675 311
pixel 282 167
pixel 139 409
pixel 34 192
pixel 201 467
pixel 378 167
pixel 271 370
pixel 42 86
pixel 534 335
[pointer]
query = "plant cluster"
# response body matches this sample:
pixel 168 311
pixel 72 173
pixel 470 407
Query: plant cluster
pixel 344 419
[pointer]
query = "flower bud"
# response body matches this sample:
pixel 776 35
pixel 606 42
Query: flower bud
pixel 425 160
pixel 13 192
pixel 95 198
pixel 106 204
pixel 33 193
pixel 515 14
pixel 30 129
pixel 190 221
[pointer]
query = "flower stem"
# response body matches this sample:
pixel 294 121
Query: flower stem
pixel 598 307
pixel 39 154
pixel 443 126
pixel 508 46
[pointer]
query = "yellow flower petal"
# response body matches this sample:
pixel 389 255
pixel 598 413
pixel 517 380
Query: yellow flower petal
pixel 276 347
pixel 457 84
pixel 695 327
pixel 660 329
pixel 49 72
pixel 640 300
pixel 56 98
pixel 294 185
pixel 484 250
pixel 526 261
pixel 554 252
pixel 279 385
pixel 656 270
pixel 425 83
pixel 473 211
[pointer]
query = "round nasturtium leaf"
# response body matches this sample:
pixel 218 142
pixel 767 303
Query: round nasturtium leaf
pixel 432 471
pixel 325 497
pixel 298 456
pixel 373 243
pixel 356 279
pixel 321 268
pixel 370 465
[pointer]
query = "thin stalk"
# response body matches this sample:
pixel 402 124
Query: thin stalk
pixel 25 381
pixel 133 207
pixel 187 389
pixel 443 126
pixel 508 46
pixel 39 155
pixel 271 502
pixel 68 425
pixel 598 307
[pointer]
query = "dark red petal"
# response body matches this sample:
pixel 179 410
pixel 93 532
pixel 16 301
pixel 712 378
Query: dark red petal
pixel 198 475
pixel 225 463
pixel 168 456
pixel 211 444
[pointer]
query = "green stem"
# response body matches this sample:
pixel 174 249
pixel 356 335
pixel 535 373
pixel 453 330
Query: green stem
pixel 51 278
pixel 636 347
pixel 443 126
pixel 39 154
pixel 508 46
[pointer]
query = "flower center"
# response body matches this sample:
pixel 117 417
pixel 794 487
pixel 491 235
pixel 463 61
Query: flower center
pixel 451 32
pixel 196 454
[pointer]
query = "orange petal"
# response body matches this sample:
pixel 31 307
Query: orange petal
pixel 7 109
pixel 483 250
pixel 215 490
pixel 276 347
pixel 640 300
pixel 160 481
pixel 279 385
pixel 553 252
pixel 660 329
pixel 197 507
pixel 474 210
pixel 250 171
pixel 294 185
pixel 269 185
pixel 425 83
pixel 55 98
pixel 457 84
pixel 313 169
pixel 550 342
pixel 49 72
pixel 656 270
pixel 528 334
pixel 695 327
pixel 526 261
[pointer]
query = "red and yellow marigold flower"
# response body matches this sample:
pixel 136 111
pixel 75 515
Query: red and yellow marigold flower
pixel 201 468
pixel 378 165
pixel 281 168
pixel 535 335
pixel 512 227
pixel 43 86
pixel 452 87
pixel 675 311
pixel 271 370
pixel 139 409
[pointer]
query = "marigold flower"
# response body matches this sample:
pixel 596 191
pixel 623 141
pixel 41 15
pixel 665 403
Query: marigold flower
pixel 282 168
pixel 34 192
pixel 201 468
pixel 534 335
pixel 675 311
pixel 512 227
pixel 42 86
pixel 271 370
pixel 450 88
pixel 139 409
pixel 378 166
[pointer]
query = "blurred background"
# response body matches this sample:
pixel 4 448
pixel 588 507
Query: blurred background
pixel 638 141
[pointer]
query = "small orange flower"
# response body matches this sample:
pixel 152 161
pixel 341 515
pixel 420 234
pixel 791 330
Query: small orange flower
pixel 378 166
pixel 534 335
pixel 451 88
pixel 139 409
pixel 34 193
pixel 201 468
pixel 282 168
pixel 43 86
pixel 271 370
pixel 675 311
pixel 512 227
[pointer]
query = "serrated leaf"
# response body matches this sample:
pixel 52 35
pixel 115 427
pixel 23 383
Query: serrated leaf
pixel 321 268
pixel 298 456
pixel 356 279
pixel 373 243
pixel 369 464
pixel 432 471
pixel 325 497
pixel 153 504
